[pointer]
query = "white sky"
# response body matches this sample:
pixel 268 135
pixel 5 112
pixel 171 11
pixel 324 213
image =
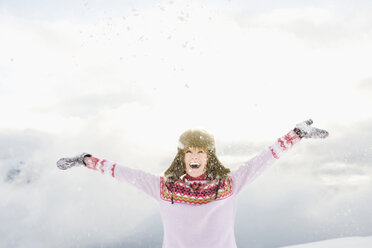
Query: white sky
pixel 124 79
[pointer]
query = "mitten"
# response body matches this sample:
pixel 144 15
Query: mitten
pixel 304 130
pixel 66 163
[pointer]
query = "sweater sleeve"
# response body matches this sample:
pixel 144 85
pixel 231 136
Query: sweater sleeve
pixel 146 182
pixel 251 169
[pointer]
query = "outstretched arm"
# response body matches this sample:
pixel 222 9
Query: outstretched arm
pixel 148 183
pixel 251 169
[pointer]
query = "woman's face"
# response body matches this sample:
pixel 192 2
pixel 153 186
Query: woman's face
pixel 195 159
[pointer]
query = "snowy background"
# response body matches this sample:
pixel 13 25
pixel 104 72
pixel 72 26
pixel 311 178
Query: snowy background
pixel 123 79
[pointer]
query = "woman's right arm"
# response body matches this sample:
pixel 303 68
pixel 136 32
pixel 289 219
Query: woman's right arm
pixel 148 183
pixel 257 165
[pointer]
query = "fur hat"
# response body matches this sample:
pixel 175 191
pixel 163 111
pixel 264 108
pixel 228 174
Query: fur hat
pixel 202 139
pixel 196 138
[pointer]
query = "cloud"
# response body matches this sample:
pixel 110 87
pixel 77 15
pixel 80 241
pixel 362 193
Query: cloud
pixel 86 104
pixel 19 151
pixel 320 26
pixel 38 200
pixel 365 85
pixel 318 190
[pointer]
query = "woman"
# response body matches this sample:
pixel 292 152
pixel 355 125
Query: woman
pixel 197 194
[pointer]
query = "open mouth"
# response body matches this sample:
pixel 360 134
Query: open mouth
pixel 194 165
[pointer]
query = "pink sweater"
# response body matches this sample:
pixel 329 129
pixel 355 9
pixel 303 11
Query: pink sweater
pixel 198 219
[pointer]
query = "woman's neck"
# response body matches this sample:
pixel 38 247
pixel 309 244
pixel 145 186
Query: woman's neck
pixel 199 178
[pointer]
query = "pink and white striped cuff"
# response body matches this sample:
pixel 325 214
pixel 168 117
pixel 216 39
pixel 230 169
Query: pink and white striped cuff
pixel 284 143
pixel 104 166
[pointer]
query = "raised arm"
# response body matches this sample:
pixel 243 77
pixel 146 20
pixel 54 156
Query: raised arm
pixel 148 183
pixel 251 169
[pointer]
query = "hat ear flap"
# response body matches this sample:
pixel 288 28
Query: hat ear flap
pixel 215 169
pixel 176 169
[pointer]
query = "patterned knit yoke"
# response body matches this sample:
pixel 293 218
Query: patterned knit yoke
pixel 196 192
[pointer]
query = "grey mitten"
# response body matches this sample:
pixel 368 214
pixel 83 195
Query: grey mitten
pixel 304 130
pixel 66 163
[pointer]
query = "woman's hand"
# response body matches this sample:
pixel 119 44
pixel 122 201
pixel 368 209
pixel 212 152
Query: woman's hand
pixel 304 130
pixel 79 160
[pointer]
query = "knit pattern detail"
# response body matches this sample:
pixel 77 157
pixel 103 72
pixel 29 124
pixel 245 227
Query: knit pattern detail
pixel 106 167
pixel 284 143
pixel 195 193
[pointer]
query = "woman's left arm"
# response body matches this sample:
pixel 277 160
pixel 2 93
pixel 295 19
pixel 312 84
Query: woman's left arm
pixel 251 169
